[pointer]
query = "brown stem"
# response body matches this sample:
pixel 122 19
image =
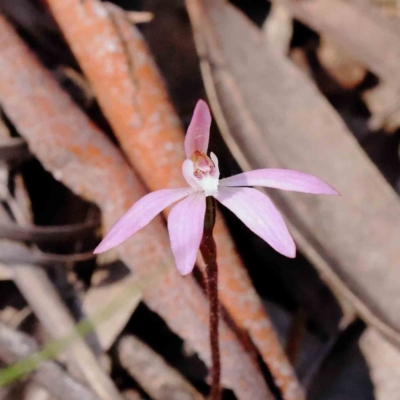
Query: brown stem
pixel 209 252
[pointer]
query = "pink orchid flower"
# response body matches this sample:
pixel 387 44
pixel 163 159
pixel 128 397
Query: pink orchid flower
pixel 186 219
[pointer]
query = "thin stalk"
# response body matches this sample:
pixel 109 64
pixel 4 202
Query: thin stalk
pixel 209 252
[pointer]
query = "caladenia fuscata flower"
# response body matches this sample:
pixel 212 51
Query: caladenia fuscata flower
pixel 191 220
pixel 201 172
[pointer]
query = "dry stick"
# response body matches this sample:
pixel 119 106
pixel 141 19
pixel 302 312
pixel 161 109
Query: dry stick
pixel 208 250
pixel 12 252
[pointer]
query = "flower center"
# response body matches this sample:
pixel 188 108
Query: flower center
pixel 202 173
pixel 203 165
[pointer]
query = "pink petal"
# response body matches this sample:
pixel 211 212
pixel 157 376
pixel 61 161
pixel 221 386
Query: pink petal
pixel 284 179
pixel 198 133
pixel 139 215
pixel 260 215
pixel 185 226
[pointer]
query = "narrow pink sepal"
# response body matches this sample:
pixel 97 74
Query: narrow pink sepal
pixel 260 215
pixel 139 215
pixel 198 133
pixel 185 226
pixel 284 179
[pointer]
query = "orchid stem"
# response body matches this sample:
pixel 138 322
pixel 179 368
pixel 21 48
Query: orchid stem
pixel 209 252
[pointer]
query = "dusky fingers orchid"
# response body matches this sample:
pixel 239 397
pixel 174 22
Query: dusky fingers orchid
pixel 201 172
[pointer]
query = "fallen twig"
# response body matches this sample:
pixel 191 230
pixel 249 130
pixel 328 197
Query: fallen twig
pixel 47 234
pixel 15 253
